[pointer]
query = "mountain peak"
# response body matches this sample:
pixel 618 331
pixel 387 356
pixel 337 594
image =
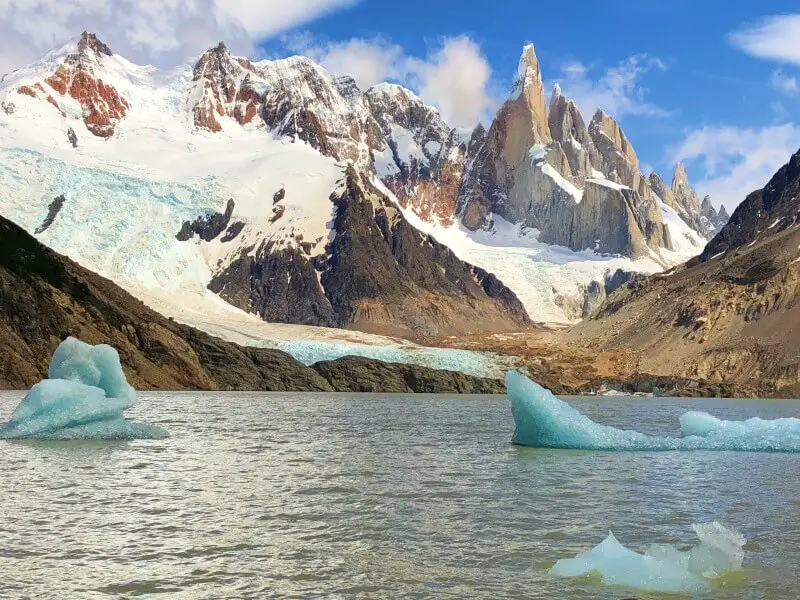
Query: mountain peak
pixel 528 61
pixel 680 178
pixel 89 42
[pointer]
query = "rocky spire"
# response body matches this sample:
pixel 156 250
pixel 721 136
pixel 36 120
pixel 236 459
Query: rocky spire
pixel 664 192
pixel 228 89
pixel 619 158
pixel 530 90
pixel 707 208
pixel 88 42
pixel 569 129
pixel 684 194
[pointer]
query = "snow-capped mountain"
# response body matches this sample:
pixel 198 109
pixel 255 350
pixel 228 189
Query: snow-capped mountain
pixel 289 193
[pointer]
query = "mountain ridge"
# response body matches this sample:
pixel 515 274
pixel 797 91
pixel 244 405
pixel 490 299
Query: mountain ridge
pixel 228 127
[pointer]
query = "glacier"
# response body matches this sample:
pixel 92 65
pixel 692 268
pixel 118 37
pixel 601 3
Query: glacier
pixel 309 352
pixel 662 568
pixel 83 398
pixel 544 421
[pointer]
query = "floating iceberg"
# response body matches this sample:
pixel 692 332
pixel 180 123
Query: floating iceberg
pixel 83 398
pixel 662 568
pixel 544 421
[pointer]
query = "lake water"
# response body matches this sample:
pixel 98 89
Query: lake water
pixel 337 496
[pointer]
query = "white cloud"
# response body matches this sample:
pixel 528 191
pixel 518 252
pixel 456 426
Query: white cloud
pixel 736 161
pixel 264 18
pixel 785 84
pixel 162 32
pixel 618 90
pixel 772 38
pixel 454 77
pixel 368 61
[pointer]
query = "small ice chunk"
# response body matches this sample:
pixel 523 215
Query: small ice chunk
pixel 83 398
pixel 662 568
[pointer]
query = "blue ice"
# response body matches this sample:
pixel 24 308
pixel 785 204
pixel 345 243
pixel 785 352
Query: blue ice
pixel 83 397
pixel 662 568
pixel 544 421
pixel 309 352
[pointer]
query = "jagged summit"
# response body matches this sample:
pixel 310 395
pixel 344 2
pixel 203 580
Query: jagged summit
pixel 528 62
pixel 89 42
pixel 680 178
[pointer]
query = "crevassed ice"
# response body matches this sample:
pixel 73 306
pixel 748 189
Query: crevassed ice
pixel 662 568
pixel 83 397
pixel 544 421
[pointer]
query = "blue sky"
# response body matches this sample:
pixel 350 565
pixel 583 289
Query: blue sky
pixel 712 82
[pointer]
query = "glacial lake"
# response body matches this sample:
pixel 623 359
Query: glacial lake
pixel 366 496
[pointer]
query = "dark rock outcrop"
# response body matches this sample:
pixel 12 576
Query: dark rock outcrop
pixel 207 227
pixel 763 213
pixel 380 270
pixel 378 274
pixel 233 230
pixel 52 212
pixel 278 285
pixel 72 137
pixel 356 374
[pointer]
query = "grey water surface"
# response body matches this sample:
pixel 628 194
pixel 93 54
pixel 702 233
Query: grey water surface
pixel 366 496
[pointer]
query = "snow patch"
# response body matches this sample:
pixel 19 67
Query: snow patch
pixel 565 185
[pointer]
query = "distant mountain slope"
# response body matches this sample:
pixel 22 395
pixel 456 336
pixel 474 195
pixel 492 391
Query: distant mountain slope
pixel 762 214
pixel 221 174
pixel 45 297
pixel 734 314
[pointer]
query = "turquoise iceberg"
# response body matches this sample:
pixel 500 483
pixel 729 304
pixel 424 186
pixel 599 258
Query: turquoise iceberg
pixel 83 397
pixel 662 568
pixel 544 421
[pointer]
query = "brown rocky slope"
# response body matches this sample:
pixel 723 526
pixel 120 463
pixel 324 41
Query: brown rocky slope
pixel 727 323
pixel 45 297
pixel 733 314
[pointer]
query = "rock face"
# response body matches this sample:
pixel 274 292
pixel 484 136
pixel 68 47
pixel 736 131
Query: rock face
pixel 713 220
pixel 426 174
pixel 357 375
pixel 101 103
pixel 763 213
pixel 376 275
pixel 684 195
pixel 45 298
pixel 52 213
pixel 611 220
pixel 504 156
pixel 579 186
pixel 224 87
pixel 208 227
pixel 701 217
pixel 619 161
pixel 569 129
